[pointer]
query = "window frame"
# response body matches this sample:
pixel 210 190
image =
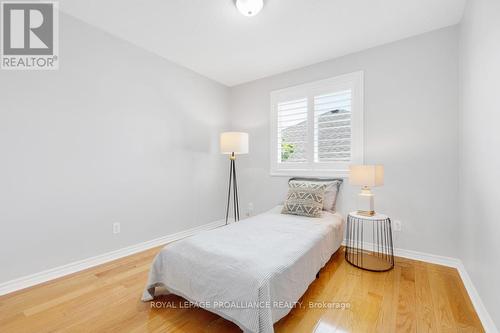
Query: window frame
pixel 353 81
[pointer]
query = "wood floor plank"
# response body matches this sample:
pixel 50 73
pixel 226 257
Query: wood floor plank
pixel 442 308
pixel 406 310
pixel 335 289
pixel 461 307
pixel 366 304
pixel 413 297
pixel 386 322
pixel 426 318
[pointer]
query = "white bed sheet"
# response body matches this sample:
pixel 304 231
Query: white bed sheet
pixel 251 272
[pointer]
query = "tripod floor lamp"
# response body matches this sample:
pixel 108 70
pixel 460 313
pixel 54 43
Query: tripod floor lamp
pixel 232 144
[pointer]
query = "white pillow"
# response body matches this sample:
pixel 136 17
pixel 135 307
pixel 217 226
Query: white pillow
pixel 331 193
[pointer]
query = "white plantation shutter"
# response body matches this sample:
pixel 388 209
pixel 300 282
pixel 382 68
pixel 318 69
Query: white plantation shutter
pixel 317 128
pixel 292 131
pixel 332 127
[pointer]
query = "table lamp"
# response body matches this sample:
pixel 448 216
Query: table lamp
pixel 366 176
pixel 233 143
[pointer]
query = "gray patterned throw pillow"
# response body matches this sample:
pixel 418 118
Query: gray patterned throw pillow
pixel 304 198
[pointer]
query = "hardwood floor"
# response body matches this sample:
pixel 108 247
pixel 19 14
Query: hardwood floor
pixel 413 297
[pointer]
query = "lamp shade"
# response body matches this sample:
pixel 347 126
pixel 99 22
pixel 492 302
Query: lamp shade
pixel 234 142
pixel 366 175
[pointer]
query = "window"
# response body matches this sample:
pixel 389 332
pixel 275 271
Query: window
pixel 317 128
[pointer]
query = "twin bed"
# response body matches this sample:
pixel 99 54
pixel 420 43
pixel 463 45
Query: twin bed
pixel 251 272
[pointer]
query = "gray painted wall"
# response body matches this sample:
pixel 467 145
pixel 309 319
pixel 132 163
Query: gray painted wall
pixel 116 135
pixel 479 149
pixel 411 126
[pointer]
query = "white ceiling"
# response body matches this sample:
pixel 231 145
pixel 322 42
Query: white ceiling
pixel 212 38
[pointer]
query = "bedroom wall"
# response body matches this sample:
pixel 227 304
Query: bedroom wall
pixel 117 134
pixel 479 147
pixel 411 126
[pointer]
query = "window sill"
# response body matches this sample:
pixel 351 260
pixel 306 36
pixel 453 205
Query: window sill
pixel 310 173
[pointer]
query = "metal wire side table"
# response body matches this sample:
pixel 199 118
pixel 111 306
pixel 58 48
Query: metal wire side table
pixel 377 256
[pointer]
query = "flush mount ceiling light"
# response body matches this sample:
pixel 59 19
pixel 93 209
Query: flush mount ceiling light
pixel 249 7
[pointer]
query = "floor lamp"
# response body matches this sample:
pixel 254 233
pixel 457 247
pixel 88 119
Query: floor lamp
pixel 232 144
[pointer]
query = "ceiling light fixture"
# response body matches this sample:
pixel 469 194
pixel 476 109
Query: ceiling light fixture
pixel 249 7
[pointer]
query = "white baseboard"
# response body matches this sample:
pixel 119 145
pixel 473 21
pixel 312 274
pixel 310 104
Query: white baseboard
pixel 484 316
pixel 57 272
pixel 486 320
pixel 416 255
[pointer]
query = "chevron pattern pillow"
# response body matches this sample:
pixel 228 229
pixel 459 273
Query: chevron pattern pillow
pixel 304 198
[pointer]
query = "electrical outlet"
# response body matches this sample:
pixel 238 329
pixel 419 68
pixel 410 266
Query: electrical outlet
pixel 397 225
pixel 250 209
pixel 116 228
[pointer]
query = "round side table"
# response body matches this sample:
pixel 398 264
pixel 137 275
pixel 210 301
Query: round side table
pixel 377 256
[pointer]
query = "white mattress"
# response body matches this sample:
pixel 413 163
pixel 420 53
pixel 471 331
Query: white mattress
pixel 241 271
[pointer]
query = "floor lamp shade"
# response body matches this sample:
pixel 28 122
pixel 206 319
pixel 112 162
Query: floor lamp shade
pixel 234 142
